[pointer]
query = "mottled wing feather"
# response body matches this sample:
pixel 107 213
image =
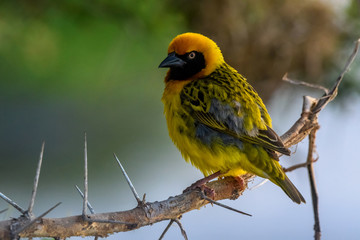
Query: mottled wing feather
pixel 210 121
pixel 270 137
pixel 265 138
pixel 225 102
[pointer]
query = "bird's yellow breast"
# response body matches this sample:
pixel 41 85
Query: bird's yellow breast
pixel 181 127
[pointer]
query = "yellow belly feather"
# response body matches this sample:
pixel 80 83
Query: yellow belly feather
pixel 208 159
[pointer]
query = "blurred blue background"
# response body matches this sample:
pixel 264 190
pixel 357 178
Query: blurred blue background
pixel 70 67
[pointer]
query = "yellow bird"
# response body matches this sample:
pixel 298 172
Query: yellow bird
pixel 216 118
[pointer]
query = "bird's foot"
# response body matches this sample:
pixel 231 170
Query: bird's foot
pixel 201 185
pixel 209 192
pixel 240 181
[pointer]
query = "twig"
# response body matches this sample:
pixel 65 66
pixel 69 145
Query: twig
pixel 12 203
pixel 166 229
pixel 302 83
pixel 36 182
pixel 88 204
pixel 129 181
pixel 85 198
pixel 181 228
pixel 314 194
pixel 333 92
pixel 222 205
pixel 296 166
pixel 34 220
pixel 300 165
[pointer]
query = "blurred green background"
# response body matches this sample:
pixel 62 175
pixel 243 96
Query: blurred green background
pixel 71 66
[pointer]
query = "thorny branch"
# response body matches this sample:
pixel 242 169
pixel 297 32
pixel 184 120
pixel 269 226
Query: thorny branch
pixel 147 213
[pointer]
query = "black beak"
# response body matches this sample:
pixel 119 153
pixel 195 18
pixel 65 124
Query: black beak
pixel 172 61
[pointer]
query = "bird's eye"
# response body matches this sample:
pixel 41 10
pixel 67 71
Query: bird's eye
pixel 191 55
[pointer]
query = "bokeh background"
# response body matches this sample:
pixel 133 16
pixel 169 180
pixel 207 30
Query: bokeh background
pixel 70 66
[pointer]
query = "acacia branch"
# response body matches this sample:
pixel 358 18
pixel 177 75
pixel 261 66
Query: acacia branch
pixel 227 188
pixel 103 224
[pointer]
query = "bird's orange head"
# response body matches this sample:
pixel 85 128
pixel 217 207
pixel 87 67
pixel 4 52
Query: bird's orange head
pixel 191 56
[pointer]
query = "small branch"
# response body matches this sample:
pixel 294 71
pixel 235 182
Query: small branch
pixel 166 229
pixel 12 203
pixel 314 194
pixel 302 83
pixel 181 228
pixel 36 182
pixel 333 92
pixel 300 165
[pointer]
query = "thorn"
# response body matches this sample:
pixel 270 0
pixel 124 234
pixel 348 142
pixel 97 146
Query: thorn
pixel 36 182
pixel 181 228
pixel 222 205
pixel 166 229
pixel 4 210
pixel 88 204
pixel 141 204
pixel 143 200
pixel 12 203
pixel 34 220
pixel 85 198
pixel 129 181
pixel 260 184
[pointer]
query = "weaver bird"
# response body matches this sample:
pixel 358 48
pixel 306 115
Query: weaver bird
pixel 215 117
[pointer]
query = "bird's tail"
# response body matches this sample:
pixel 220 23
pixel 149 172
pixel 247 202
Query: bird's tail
pixel 289 188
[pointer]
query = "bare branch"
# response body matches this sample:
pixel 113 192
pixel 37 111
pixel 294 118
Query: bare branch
pixel 181 228
pixel 314 194
pixel 333 93
pixel 297 166
pixel 36 182
pixel 227 188
pixel 306 84
pixel 166 229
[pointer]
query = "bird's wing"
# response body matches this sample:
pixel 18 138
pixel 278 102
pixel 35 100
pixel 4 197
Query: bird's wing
pixel 226 102
pixel 265 138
